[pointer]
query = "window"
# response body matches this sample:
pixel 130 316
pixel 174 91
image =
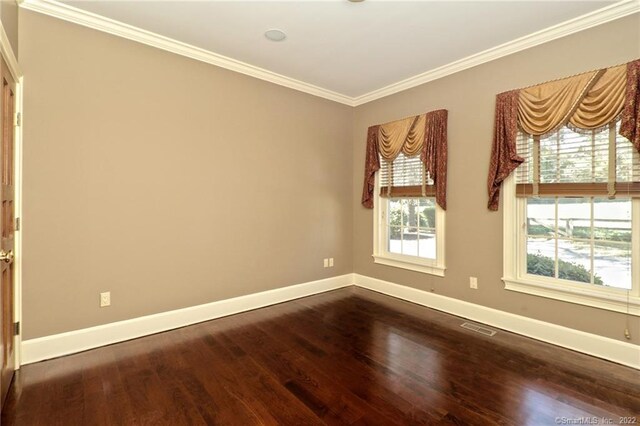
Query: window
pixel 408 224
pixel 411 227
pixel 572 219
pixel 585 240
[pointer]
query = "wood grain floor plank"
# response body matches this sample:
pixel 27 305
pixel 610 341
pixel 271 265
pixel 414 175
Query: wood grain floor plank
pixel 349 356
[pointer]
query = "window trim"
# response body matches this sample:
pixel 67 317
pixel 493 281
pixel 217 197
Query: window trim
pixel 413 263
pixel 554 288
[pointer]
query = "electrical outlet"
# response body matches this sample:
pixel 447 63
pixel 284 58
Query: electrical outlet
pixel 331 262
pixel 105 299
pixel 326 263
pixel 473 282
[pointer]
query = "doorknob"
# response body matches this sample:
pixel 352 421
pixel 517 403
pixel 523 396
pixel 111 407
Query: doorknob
pixel 6 256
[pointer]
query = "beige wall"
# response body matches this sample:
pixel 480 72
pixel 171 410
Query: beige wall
pixel 168 181
pixel 9 18
pixel 473 234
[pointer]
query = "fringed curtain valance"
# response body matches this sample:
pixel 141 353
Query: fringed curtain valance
pixel 583 102
pixel 406 136
pixel 424 135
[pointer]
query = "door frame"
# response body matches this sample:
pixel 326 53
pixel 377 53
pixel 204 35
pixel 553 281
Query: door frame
pixel 10 59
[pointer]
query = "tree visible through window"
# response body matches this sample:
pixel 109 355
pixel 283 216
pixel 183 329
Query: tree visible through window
pixel 412 227
pixel 580 239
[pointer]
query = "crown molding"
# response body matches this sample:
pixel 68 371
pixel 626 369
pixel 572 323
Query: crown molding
pixel 110 26
pixel 589 20
pixel 100 23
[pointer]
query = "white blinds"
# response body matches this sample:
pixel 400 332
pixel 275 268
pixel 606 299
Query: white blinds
pixel 570 157
pixel 405 171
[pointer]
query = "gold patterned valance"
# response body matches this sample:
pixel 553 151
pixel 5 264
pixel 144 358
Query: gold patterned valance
pixel 586 101
pixel 406 136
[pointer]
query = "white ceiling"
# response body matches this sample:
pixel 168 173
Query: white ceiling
pixel 349 48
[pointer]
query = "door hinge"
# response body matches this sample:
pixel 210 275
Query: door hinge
pixel 18 119
pixel 17 223
pixel 16 328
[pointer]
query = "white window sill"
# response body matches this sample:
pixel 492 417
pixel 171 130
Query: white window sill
pixel 609 300
pixel 425 268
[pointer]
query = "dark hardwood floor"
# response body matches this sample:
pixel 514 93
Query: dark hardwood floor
pixel 350 356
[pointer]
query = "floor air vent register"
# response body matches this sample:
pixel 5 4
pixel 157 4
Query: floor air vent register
pixel 478 329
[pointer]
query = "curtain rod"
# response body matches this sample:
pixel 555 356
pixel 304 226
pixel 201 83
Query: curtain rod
pixel 410 116
pixel 569 76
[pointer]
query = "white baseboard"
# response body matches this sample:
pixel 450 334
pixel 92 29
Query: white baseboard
pixel 47 347
pixel 591 344
pixel 56 345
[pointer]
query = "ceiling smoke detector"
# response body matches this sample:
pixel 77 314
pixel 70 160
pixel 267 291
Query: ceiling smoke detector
pixel 275 35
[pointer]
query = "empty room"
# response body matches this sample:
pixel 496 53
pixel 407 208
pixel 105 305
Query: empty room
pixel 314 212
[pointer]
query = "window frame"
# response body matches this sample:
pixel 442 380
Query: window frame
pixel 382 256
pixel 517 279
